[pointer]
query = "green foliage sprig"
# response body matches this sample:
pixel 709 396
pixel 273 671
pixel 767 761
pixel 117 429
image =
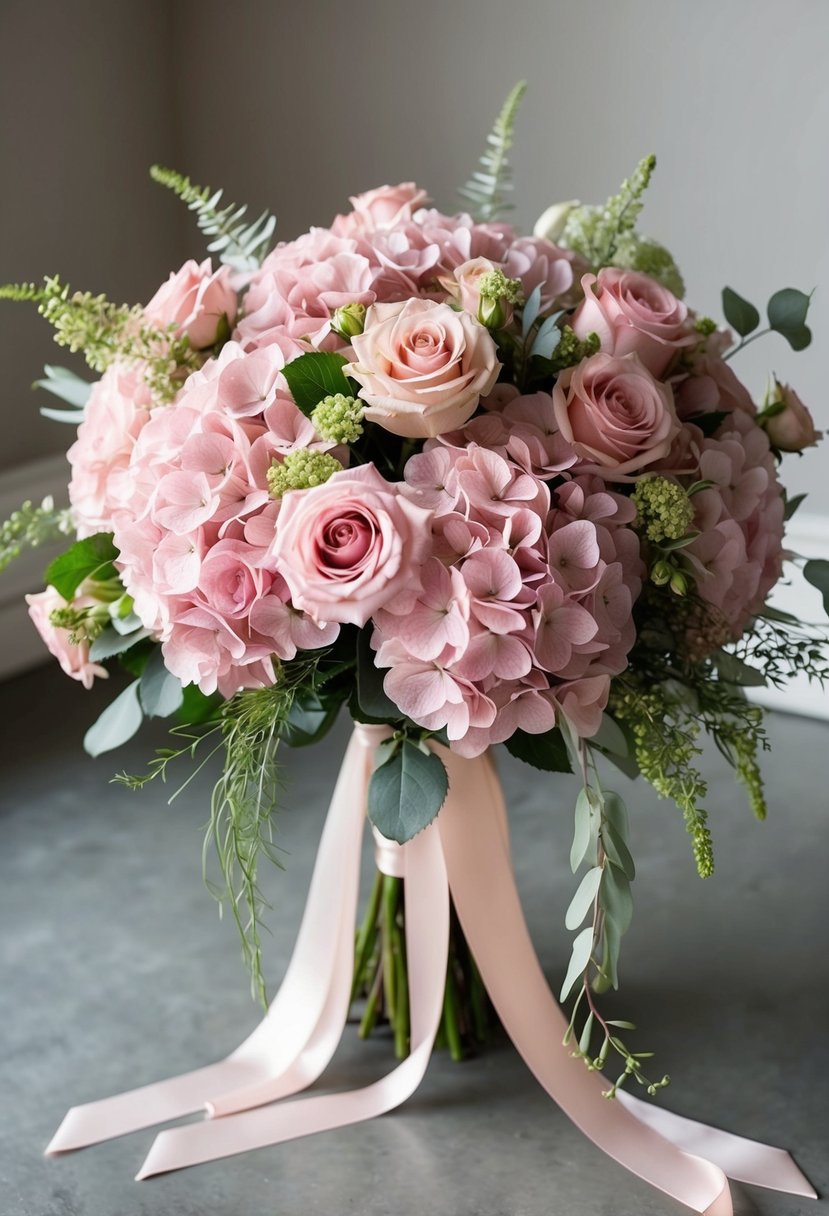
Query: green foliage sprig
pixel 488 188
pixel 601 830
pixel 29 527
pixel 239 244
pixel 595 232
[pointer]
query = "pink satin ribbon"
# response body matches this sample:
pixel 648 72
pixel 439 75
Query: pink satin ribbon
pixel 466 851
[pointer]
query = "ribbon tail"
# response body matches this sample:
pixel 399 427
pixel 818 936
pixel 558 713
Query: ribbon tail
pixel 742 1159
pixel 489 909
pixel 427 946
pixel 297 1037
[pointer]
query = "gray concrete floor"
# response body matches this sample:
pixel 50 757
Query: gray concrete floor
pixel 116 972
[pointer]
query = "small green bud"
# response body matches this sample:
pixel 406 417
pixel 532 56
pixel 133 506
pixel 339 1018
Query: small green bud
pixel 498 295
pixel 339 418
pixel 679 583
pixel 349 321
pixel 301 470
pixel 705 326
pixel 661 573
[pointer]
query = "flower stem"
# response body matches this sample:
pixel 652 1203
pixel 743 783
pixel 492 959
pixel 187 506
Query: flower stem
pixel 366 936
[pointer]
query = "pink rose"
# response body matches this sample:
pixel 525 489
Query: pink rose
pixel 632 313
pixel 73 657
pixel 614 415
pixel 195 299
pixel 465 288
pixel 423 367
pixel 386 207
pixel 347 547
pixel 787 421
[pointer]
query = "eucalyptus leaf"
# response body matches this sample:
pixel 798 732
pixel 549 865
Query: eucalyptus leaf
pixel 616 898
pixel 580 957
pixel 610 737
pixel 739 313
pixel 817 573
pixel 582 901
pixel 616 813
pixel 110 643
pixel 735 671
pixel 547 338
pixel 792 505
pixel 586 1033
pixel 612 950
pixel 787 311
pixel 62 383
pixel 531 310
pixel 92 556
pixel 71 417
pixel 406 792
pixel 585 816
pixel 547 752
pixel 617 850
pixel 315 376
pixel 118 723
pixel 160 691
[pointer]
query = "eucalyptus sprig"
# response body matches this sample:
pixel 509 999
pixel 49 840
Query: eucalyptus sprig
pixel 602 832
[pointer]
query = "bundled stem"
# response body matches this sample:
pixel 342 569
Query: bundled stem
pixel 381 978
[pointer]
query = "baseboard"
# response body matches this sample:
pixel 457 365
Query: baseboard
pixel 20 647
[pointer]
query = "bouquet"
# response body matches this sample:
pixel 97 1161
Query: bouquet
pixel 470 486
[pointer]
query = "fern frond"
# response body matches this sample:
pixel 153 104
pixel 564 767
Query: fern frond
pixel 238 244
pixel 486 189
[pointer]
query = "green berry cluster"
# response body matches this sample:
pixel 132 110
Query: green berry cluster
pixel 664 509
pixel 301 470
pixel 339 419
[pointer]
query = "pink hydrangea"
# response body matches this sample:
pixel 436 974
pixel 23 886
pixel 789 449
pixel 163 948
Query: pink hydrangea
pixel 738 556
pixel 194 538
pixel 524 609
pixel 115 414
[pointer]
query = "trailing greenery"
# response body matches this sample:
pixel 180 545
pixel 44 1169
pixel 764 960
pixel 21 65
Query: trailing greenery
pixel 239 244
pixel 29 527
pixel 490 184
pixel 601 832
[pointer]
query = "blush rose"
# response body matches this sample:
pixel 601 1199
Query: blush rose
pixel 617 418
pixel 423 367
pixel 195 299
pixel 347 547
pixel 632 313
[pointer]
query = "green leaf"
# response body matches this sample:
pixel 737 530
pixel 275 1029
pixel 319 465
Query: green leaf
pixel 311 717
pixel 612 950
pixel 792 505
pixel 118 723
pixel 92 556
pixel 817 573
pixel 111 642
pixel 616 814
pixel 610 737
pixel 547 752
pixel 372 704
pixel 616 898
pixel 582 901
pixel 617 850
pixel 740 315
pixel 787 311
pixel 585 819
pixel 580 957
pixel 160 691
pixel 406 792
pixel 735 671
pixel 586 1033
pixel 197 708
pixel 315 376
